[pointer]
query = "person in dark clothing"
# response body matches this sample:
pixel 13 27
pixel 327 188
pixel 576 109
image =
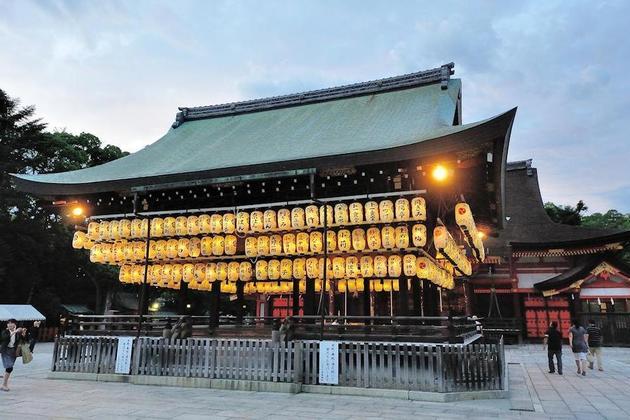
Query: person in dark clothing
pixel 10 340
pixel 553 341
pixel 33 335
pixel 594 345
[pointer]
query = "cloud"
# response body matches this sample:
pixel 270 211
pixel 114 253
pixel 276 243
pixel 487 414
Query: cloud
pixel 119 69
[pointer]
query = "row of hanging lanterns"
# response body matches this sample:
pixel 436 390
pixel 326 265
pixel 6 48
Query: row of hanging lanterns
pixel 447 247
pixel 466 222
pixel 257 221
pixel 428 269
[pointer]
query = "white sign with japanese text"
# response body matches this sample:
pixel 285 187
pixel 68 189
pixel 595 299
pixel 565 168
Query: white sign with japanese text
pixel 123 355
pixel 329 362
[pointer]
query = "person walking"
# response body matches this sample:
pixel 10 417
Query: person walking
pixel 578 340
pixel 553 341
pixel 10 339
pixel 594 345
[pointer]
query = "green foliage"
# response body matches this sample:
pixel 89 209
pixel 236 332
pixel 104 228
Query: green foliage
pixel 612 219
pixel 37 263
pixel 567 215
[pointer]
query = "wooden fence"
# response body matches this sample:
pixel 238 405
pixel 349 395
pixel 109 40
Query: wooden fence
pixel 406 366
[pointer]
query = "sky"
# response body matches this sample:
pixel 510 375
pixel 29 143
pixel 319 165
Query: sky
pixel 120 69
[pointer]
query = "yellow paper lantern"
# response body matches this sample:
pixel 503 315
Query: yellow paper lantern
pixel 419 235
pixel 352 267
pixel 312 216
pixel 302 286
pixel 263 245
pixel 374 238
pixel 251 246
pixel 137 274
pixel 188 272
pixel 367 266
pixel 299 268
pixel 139 251
pixel 125 273
pixel 288 243
pixel 199 273
pixel 216 224
pixel 329 267
pixel 193 225
pixel 230 244
pixel 423 267
pixel 92 231
pixel 270 221
pixel 206 246
pixel 341 286
pixel 167 273
pixel 344 240
pixel 262 270
pixel 181 225
pixel 330 214
pixel 275 245
pixel 403 210
pixel 245 271
pixel 358 239
pixel 387 285
pixel 88 244
pixel 242 222
pixel 284 219
pixel 205 224
pixel 157 249
pixel 409 265
pixel 394 266
pixel 386 211
pixel 380 266
pixel 341 214
pixel 377 285
pixel 96 253
pixel 316 243
pixel 301 241
pixel 233 271
pixel 78 239
pixel 273 269
pixel 418 209
pixel 211 272
pixel 261 287
pixel 128 251
pixel 312 268
pixel 351 285
pixel 171 248
pixel 218 245
pixel 371 212
pixel 170 226
pixel 157 227
pixel 194 247
pixel 119 250
pixel 402 237
pixel 339 267
pixel 114 231
pixel 103 231
pixel 331 239
pixel 388 237
pixel 356 213
pixel 229 223
pixel 256 223
pixel 297 218
pixel 124 229
pixel 286 269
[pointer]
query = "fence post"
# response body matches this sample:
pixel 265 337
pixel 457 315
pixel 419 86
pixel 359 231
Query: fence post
pixel 136 356
pixel 298 360
pixel 502 364
pixel 440 369
pixel 55 354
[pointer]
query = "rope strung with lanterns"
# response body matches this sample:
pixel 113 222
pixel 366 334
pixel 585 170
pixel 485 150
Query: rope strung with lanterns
pixel 466 222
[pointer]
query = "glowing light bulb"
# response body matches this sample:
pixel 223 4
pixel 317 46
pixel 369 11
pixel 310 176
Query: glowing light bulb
pixel 439 173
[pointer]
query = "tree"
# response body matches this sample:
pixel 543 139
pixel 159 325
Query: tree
pixel 567 215
pixel 612 219
pixel 37 264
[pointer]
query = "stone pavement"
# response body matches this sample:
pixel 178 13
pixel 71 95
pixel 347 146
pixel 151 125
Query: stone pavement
pixel 598 395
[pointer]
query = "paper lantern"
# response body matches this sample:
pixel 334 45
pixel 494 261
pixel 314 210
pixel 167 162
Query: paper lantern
pixel 367 266
pixel 125 273
pixel 312 268
pixel 339 267
pixel 92 231
pixel 218 245
pixel 144 228
pixel 222 271
pixel 286 269
pixel 182 248
pixel 330 214
pixel 114 232
pixel 261 287
pixel 371 212
pixel 331 239
pixel 301 242
pixel 171 248
pixel 409 265
pixel 230 244
pixel 342 286
pixel 312 216
pixel 88 243
pixel 251 246
pixel 119 250
pixel 103 231
pixel 377 285
pixel 158 249
pixel 262 270
pixel 211 272
pixel 284 219
pixel 206 246
pixel 288 243
pixel 181 225
pixel 358 239
pixel 351 285
pixel 275 245
pixel 419 235
pixel 124 228
pixel 256 221
pixel 287 287
pixel 137 274
pixel 423 267
pixel 157 227
pixel 193 225
pixel 136 229
pixel 355 211
pixel 175 272
pixel 245 271
pixel 386 211
pixel 402 209
pixel 167 273
pixel 78 239
pixel 199 272
pixel 229 223
pixel 344 240
pixel 394 266
pixel 299 268
pixel 402 237
pixel 388 237
pixel 374 238
pixel 205 224
pixel 242 222
pixel 302 286
pixel 341 214
pixel 316 243
pixel 273 269
pixel 329 267
pixel 380 266
pixel 418 209
pixel 297 218
pixel 216 224
pixel 139 251
pixel 263 245
pixel 352 267
pixel 270 221
pixel 96 253
pixel 387 285
pixel 194 247
pixel 168 227
pixel 233 270
pixel 188 272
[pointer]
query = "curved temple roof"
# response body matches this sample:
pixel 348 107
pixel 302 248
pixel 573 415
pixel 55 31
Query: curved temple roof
pixel 372 116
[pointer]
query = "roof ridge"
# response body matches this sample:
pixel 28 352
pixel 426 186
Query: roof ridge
pixel 439 74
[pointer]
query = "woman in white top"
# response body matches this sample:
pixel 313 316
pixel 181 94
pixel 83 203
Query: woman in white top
pixel 10 339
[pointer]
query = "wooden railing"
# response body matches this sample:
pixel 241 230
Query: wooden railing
pixel 407 366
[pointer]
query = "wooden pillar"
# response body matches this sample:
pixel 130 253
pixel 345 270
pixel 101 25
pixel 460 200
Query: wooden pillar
pixel 215 302
pixel 516 301
pixel 295 297
pixel 403 297
pixel 366 297
pixel 240 299
pixel 416 297
pixel 309 298
pixel 182 298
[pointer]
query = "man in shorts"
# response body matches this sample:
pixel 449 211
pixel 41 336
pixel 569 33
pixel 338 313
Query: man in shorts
pixel 578 340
